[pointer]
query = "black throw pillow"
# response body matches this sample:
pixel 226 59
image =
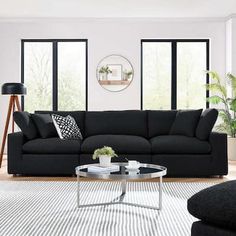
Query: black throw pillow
pixel 186 122
pixel 26 124
pixel 45 125
pixel 215 205
pixel 206 123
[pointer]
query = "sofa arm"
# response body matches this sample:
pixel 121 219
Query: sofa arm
pixel 14 151
pixel 219 152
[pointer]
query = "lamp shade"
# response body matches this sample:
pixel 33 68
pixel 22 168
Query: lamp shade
pixel 13 89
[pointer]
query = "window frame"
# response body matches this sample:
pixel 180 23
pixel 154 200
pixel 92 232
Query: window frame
pixel 174 65
pixel 55 67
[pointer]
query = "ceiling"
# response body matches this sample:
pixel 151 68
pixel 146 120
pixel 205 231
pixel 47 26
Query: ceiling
pixel 117 8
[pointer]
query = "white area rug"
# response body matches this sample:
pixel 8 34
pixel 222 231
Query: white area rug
pixel 49 209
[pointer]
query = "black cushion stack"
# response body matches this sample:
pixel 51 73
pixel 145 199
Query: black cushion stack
pixel 200 228
pixel 216 205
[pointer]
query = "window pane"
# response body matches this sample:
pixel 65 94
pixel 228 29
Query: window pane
pixel 191 63
pixel 71 75
pixel 38 76
pixel 156 75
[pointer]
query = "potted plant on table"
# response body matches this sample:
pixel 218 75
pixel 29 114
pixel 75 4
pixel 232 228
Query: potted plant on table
pixel 228 111
pixel 104 154
pixel 104 71
pixel 127 75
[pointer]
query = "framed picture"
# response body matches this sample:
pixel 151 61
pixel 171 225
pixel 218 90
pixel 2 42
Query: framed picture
pixel 116 72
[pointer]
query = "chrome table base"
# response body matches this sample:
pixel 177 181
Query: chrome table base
pixel 119 199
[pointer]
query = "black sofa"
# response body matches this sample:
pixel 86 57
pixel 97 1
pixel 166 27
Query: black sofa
pixel 180 140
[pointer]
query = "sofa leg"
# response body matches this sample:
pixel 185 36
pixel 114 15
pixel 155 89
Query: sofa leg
pixel 16 175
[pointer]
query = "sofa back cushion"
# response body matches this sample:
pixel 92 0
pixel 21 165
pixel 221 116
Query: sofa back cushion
pixel 186 122
pixel 116 122
pixel 25 122
pixel 160 122
pixel 44 125
pixel 206 123
pixel 77 115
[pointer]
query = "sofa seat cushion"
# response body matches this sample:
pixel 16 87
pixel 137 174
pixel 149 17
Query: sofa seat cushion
pixel 178 144
pixel 125 144
pixel 215 205
pixel 52 146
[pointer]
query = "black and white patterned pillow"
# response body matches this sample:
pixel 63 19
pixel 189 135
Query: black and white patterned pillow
pixel 66 127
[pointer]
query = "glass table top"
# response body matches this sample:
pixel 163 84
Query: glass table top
pixel 145 171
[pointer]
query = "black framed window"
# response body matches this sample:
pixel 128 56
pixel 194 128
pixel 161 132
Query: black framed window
pixel 55 74
pixel 172 73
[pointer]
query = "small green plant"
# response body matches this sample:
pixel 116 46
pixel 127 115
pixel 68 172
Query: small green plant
pixel 228 112
pixel 127 74
pixel 105 70
pixel 108 151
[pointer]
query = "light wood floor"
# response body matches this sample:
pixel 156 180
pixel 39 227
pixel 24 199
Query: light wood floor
pixel 4 176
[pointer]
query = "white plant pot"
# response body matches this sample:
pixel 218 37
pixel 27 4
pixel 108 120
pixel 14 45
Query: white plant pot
pixel 103 76
pixel 105 160
pixel 232 149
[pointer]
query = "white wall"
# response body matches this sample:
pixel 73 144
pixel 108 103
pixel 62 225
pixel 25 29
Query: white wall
pixel 230 45
pixel 110 36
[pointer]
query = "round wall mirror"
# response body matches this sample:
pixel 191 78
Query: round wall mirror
pixel 114 73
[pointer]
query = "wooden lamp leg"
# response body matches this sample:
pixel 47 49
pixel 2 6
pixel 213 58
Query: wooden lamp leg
pixel 17 103
pixel 13 110
pixel 6 127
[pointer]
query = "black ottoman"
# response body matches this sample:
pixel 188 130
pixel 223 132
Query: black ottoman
pixel 200 228
pixel 216 208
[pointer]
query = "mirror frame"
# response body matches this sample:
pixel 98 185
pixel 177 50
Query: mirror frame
pixel 118 55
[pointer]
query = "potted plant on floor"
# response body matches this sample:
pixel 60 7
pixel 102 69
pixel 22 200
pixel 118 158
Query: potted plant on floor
pixel 228 111
pixel 104 154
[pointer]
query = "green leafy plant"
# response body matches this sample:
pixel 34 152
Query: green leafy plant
pixel 127 74
pixel 108 151
pixel 228 112
pixel 105 70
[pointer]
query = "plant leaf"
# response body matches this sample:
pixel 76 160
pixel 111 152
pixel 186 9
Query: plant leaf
pixel 215 99
pixel 232 79
pixel 233 105
pixel 221 128
pixel 216 87
pixel 214 75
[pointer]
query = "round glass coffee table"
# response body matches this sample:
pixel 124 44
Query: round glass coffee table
pixel 146 171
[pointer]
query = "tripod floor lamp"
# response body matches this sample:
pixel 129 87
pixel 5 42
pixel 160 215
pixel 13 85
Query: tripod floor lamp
pixel 12 89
